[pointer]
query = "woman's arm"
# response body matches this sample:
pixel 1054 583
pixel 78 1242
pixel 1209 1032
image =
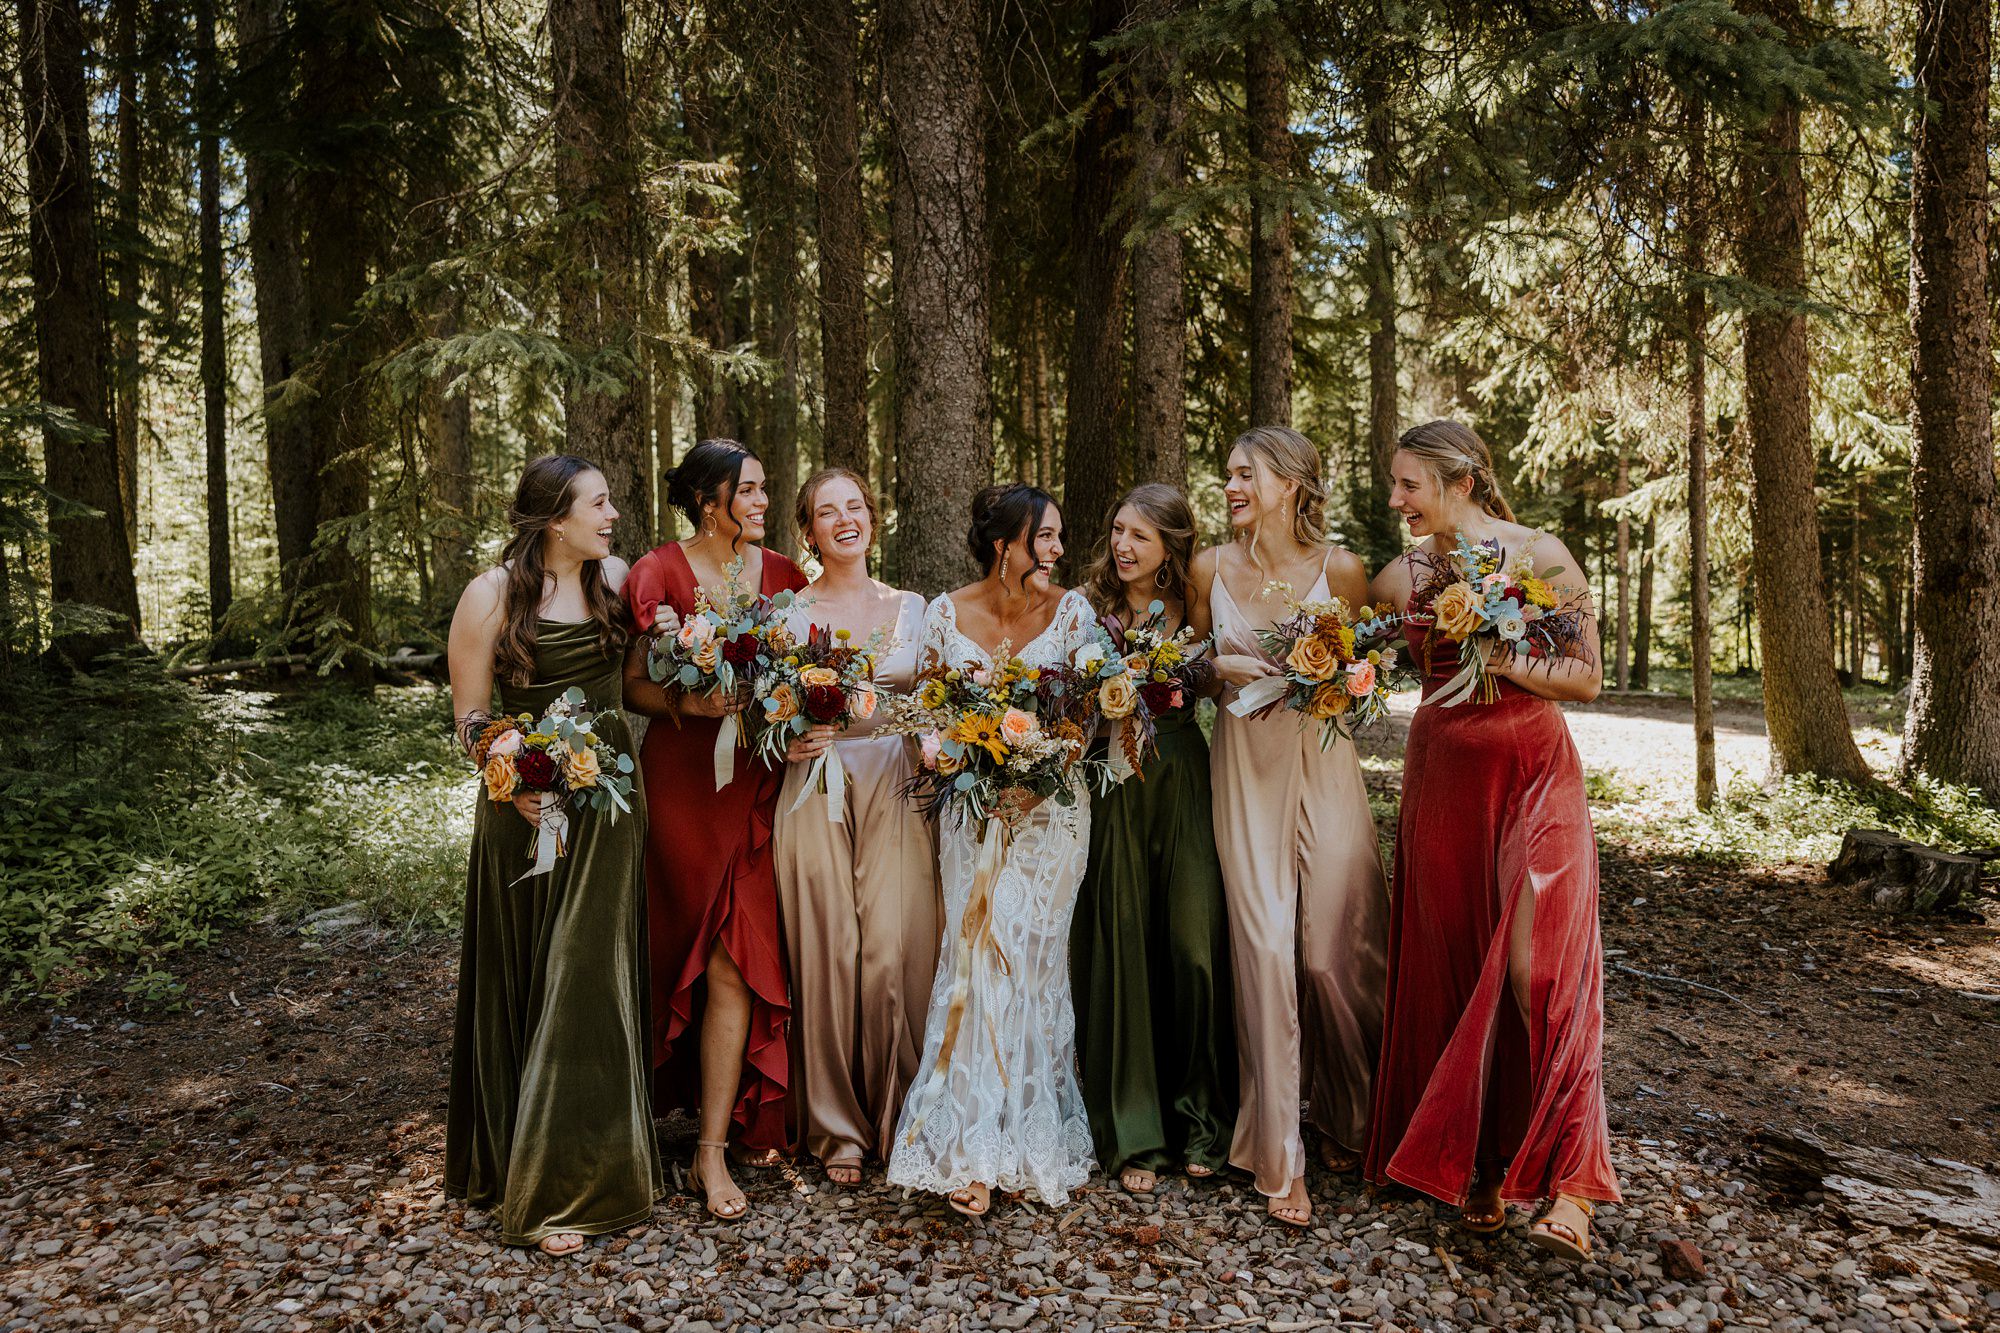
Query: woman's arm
pixel 1392 584
pixel 469 649
pixel 1578 676
pixel 1347 579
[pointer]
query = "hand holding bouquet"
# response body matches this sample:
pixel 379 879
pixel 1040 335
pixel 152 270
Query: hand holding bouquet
pixel 1333 668
pixel 723 647
pixel 1143 673
pixel 827 682
pixel 561 756
pixel 1473 601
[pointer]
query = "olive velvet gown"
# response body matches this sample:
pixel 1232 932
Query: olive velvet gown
pixel 1149 961
pixel 550 1126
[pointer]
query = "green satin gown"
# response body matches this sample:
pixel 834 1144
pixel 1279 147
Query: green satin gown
pixel 1149 965
pixel 551 1122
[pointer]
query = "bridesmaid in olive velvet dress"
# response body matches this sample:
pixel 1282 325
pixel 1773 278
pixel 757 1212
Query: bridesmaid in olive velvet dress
pixel 1149 951
pixel 549 1126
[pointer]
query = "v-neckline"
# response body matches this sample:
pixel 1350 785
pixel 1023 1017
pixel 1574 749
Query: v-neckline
pixel 989 660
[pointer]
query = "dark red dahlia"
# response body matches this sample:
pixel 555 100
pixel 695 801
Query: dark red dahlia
pixel 537 769
pixel 740 651
pixel 1160 696
pixel 825 703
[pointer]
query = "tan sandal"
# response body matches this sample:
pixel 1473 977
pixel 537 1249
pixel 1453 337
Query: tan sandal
pixel 560 1244
pixel 973 1201
pixel 1337 1159
pixel 729 1209
pixel 850 1173
pixel 1561 1239
pixel 1138 1180
pixel 1483 1219
pixel 1196 1171
pixel 1305 1207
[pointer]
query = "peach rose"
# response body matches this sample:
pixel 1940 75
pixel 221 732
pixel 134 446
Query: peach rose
pixel 819 675
pixel 864 703
pixel 694 632
pixel 506 745
pixel 581 768
pixel 1117 697
pixel 708 656
pixel 501 779
pixel 1313 657
pixel 929 748
pixel 781 705
pixel 1360 679
pixel 1016 726
pixel 1457 611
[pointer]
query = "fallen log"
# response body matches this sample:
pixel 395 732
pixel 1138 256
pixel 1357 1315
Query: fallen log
pixel 282 661
pixel 1897 875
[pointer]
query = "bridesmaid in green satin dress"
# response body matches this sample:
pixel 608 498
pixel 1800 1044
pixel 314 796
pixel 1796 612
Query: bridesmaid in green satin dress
pixel 1149 950
pixel 551 1124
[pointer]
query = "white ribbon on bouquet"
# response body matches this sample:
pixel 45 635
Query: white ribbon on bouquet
pixel 1259 693
pixel 726 739
pixel 551 837
pixel 827 771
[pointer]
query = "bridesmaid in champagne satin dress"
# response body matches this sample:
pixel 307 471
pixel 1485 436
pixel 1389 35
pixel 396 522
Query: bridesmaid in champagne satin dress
pixel 1491 1087
pixel 859 885
pixel 1308 907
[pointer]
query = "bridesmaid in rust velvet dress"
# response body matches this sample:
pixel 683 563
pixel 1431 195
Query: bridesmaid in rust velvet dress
pixel 1491 1085
pixel 720 1003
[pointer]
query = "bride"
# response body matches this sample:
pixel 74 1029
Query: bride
pixel 1001 1108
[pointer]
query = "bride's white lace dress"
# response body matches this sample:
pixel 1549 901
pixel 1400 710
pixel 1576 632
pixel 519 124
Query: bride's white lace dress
pixel 1006 1108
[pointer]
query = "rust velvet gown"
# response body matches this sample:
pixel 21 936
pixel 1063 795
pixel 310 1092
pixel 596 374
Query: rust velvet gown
pixel 709 878
pixel 1493 805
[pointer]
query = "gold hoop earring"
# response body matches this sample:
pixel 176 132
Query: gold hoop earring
pixel 1160 577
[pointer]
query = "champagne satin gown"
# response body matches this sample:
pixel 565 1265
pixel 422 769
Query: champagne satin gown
pixel 549 1125
pixel 862 920
pixel 1494 822
pixel 1308 922
pixel 709 879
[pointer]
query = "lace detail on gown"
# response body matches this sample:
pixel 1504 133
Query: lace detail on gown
pixel 1007 1108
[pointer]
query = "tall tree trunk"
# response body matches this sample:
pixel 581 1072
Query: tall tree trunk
pixel 448 423
pixel 1100 173
pixel 1269 106
pixel 270 194
pixel 715 407
pixel 1701 634
pixel 1642 635
pixel 125 264
pixel 1379 129
pixel 775 280
pixel 944 435
pixel 1622 574
pixel 1159 300
pixel 214 347
pixel 1953 730
pixel 1803 708
pixel 90 562
pixel 834 36
pixel 597 296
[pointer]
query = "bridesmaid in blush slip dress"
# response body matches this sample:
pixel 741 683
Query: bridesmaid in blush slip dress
pixel 1308 908
pixel 859 885
pixel 720 1003
pixel 1491 1087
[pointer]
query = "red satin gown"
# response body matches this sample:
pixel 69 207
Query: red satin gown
pixel 1493 803
pixel 709 877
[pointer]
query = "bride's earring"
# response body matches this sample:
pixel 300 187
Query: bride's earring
pixel 1003 566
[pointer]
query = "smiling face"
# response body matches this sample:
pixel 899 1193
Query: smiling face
pixel 840 526
pixel 585 529
pixel 746 505
pixel 1035 551
pixel 1136 549
pixel 1426 506
pixel 1253 493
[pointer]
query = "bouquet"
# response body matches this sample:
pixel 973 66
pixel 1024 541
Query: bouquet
pixel 1334 668
pixel 1143 674
pixel 825 681
pixel 561 756
pixel 724 645
pixel 1471 599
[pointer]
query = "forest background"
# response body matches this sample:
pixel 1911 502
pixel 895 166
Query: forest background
pixel 289 291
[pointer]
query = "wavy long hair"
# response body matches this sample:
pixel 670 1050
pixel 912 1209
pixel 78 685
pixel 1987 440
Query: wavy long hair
pixel 544 496
pixel 1167 509
pixel 1452 451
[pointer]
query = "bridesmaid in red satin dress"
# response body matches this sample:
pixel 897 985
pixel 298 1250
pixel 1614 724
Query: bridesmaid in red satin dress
pixel 720 1002
pixel 1491 1083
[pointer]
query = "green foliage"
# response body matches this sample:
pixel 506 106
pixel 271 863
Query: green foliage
pixel 139 817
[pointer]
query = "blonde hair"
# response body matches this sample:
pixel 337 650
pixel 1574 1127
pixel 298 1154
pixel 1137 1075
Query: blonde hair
pixel 1452 451
pixel 1289 455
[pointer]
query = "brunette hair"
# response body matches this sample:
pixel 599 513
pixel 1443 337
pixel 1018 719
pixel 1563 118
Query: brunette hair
pixel 1167 509
pixel 545 495
pixel 1451 452
pixel 1002 513
pixel 809 496
pixel 707 474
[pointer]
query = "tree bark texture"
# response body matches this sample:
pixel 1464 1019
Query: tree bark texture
pixel 1269 106
pixel 1159 293
pixel 834 36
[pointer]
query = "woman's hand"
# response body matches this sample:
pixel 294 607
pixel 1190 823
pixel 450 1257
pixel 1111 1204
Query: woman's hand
pixel 716 703
pixel 1239 669
pixel 1015 805
pixel 528 804
pixel 666 620
pixel 810 744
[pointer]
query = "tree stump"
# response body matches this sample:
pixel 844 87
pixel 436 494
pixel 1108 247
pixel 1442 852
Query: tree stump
pixel 1897 875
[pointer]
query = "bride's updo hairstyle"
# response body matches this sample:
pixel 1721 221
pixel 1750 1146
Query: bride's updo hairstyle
pixel 1001 514
pixel 1452 451
pixel 545 495
pixel 707 475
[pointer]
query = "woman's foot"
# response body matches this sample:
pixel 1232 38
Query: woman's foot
pixel 710 1175
pixel 1294 1209
pixel 973 1200
pixel 1337 1159
pixel 844 1173
pixel 1564 1230
pixel 1196 1171
pixel 561 1243
pixel 1484 1214
pixel 1137 1180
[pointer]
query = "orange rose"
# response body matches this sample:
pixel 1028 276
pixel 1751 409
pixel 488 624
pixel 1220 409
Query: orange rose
pixel 708 656
pixel 581 768
pixel 1360 679
pixel 1313 658
pixel 784 705
pixel 1329 700
pixel 501 778
pixel 1016 726
pixel 1457 611
pixel 819 675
